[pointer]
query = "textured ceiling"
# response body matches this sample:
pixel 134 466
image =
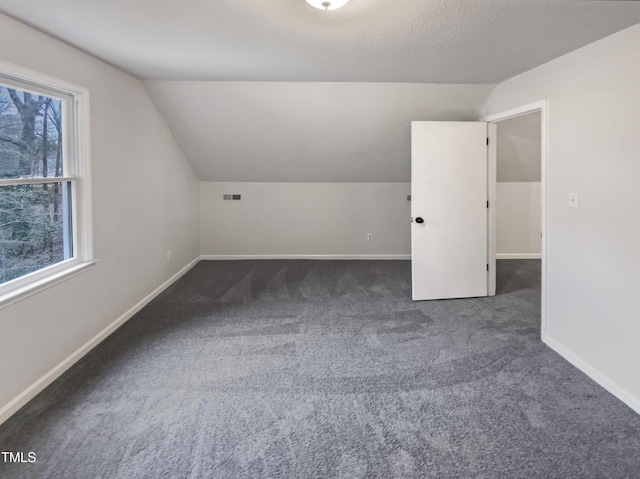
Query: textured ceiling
pixel 286 92
pixel 437 41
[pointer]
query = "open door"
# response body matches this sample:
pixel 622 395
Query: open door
pixel 449 209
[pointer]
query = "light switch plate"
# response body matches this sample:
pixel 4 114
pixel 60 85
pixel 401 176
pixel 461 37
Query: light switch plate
pixel 573 200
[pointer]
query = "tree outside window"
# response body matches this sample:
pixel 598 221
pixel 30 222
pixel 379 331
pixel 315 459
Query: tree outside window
pixel 45 182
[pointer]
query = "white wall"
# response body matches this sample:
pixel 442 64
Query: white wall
pixel 518 220
pixel 518 207
pixel 305 219
pixel 592 252
pixel 324 163
pixel 145 202
pixel 519 148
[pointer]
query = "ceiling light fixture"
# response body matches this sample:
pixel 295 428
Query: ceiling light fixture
pixel 326 4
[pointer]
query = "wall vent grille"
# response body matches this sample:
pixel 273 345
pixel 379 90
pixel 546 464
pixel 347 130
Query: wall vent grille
pixel 231 197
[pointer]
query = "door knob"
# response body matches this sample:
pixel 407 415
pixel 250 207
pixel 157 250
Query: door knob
pixel 419 220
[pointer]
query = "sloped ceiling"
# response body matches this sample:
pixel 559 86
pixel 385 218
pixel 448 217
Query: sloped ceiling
pixel 306 132
pixel 224 72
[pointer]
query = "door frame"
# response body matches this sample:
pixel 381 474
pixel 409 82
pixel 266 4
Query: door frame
pixel 543 107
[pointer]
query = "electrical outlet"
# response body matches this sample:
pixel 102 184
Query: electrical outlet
pixel 370 237
pixel 573 200
pixel 169 256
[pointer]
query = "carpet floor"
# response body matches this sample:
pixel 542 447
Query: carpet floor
pixel 326 369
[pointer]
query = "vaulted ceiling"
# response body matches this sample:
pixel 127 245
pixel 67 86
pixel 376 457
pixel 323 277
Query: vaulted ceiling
pixel 275 90
pixel 306 132
pixel 426 41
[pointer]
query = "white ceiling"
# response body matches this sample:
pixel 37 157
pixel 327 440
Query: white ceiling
pixel 438 41
pixel 276 90
pixel 306 132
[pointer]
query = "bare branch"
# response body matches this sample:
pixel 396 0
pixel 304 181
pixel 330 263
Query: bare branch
pixel 11 140
pixel 15 98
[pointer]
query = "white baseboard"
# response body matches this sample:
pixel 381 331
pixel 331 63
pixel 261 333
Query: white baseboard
pixel 24 397
pixel 218 257
pixel 518 255
pixel 593 373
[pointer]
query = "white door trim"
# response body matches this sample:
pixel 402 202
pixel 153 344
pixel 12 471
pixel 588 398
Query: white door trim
pixel 543 107
pixel 492 165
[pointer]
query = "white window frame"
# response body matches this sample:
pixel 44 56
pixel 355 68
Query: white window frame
pixel 76 170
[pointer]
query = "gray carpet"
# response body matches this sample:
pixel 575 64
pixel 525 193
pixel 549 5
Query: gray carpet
pixel 326 369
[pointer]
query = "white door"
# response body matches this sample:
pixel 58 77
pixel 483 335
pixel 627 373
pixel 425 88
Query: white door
pixel 449 228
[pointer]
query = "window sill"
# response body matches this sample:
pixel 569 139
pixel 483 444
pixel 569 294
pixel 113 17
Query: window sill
pixel 30 289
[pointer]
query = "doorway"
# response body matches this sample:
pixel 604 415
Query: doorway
pixel 517 189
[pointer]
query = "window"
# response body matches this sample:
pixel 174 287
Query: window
pixel 45 221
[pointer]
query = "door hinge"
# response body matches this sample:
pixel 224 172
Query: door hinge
pixel 487 141
pixel 487 266
pixel 487 204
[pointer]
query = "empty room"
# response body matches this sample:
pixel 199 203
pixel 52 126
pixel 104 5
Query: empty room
pixel 319 239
